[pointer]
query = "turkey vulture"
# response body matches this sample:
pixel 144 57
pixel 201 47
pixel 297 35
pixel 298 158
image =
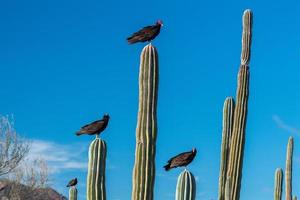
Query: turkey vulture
pixel 147 33
pixel 95 127
pixel 72 182
pixel 181 160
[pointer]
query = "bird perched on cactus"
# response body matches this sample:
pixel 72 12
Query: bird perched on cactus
pixel 146 34
pixel 95 127
pixel 181 160
pixel 72 182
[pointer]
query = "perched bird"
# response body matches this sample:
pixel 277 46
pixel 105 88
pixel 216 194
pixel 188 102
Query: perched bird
pixel 95 127
pixel 72 182
pixel 181 160
pixel 147 33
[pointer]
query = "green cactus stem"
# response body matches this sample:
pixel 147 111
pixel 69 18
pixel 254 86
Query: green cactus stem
pixel 288 169
pixel 240 114
pixel 96 170
pixel 146 131
pixel 228 112
pixel 186 186
pixel 278 184
pixel 72 193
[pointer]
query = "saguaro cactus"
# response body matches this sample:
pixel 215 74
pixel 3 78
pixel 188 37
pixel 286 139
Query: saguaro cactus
pixel 72 193
pixel 96 170
pixel 146 131
pixel 228 112
pixel 278 184
pixel 186 186
pixel 288 169
pixel 240 114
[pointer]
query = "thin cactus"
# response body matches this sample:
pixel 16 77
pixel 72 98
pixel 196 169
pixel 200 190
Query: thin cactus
pixel 240 115
pixel 96 170
pixel 73 193
pixel 278 184
pixel 146 131
pixel 186 186
pixel 288 169
pixel 228 112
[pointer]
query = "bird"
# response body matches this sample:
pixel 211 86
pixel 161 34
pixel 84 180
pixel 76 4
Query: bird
pixel 146 34
pixel 95 127
pixel 181 160
pixel 72 182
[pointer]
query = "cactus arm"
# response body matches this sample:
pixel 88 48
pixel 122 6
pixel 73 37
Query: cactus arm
pixel 228 112
pixel 146 131
pixel 288 169
pixel 278 184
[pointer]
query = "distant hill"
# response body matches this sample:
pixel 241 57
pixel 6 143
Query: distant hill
pixel 15 191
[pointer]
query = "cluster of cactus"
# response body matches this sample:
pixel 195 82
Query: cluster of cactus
pixel 234 123
pixel 288 175
pixel 233 137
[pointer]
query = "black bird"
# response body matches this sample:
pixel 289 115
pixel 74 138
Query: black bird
pixel 181 160
pixel 72 182
pixel 95 127
pixel 147 33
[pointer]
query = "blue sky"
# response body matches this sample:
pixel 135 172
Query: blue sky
pixel 65 63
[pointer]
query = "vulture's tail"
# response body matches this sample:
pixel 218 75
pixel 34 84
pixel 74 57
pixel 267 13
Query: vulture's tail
pixel 167 167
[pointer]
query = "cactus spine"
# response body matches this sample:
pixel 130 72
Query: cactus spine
pixel 72 193
pixel 96 170
pixel 146 131
pixel 186 186
pixel 278 184
pixel 288 169
pixel 228 112
pixel 238 134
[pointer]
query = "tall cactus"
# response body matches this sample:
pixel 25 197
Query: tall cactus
pixel 228 112
pixel 288 169
pixel 72 193
pixel 146 131
pixel 240 114
pixel 96 170
pixel 278 184
pixel 186 186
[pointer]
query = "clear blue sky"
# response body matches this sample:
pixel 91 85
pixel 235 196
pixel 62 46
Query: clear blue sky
pixel 65 63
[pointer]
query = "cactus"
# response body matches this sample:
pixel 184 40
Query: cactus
pixel 240 114
pixel 228 111
pixel 96 170
pixel 288 169
pixel 146 131
pixel 72 193
pixel 278 184
pixel 186 186
pixel 227 194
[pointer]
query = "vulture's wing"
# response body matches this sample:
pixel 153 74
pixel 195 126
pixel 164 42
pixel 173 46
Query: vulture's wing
pixel 92 127
pixel 180 158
